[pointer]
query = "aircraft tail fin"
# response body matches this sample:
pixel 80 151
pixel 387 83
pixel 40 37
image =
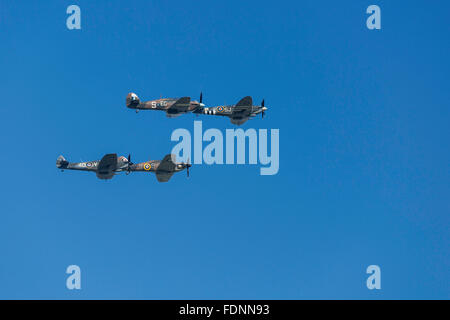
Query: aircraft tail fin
pixel 61 162
pixel 132 100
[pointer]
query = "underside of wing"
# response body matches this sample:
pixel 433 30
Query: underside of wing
pixel 165 169
pixel 105 176
pixel 107 166
pixel 246 101
pixel 241 112
pixel 164 176
pixel 181 105
pixel 238 121
pixel 243 108
pixel 167 164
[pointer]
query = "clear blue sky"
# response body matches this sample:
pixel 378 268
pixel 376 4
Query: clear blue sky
pixel 364 150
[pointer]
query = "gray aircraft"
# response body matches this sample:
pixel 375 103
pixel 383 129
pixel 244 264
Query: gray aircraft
pixel 172 107
pixel 110 165
pixel 238 113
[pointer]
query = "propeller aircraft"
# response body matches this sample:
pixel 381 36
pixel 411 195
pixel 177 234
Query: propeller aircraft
pixel 172 107
pixel 238 113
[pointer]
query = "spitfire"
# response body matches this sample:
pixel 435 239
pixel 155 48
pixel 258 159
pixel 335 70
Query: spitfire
pixel 110 165
pixel 172 107
pixel 238 113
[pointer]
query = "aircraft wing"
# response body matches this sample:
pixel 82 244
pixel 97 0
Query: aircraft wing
pixel 245 102
pixel 243 107
pixel 181 105
pixel 107 166
pixel 164 176
pixel 165 169
pixel 166 164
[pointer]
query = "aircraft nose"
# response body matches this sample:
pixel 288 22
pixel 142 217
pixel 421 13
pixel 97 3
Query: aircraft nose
pixel 202 104
pixel 264 108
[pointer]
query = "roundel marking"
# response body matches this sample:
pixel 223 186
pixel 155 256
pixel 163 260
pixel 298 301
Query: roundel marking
pixel 147 166
pixel 220 109
pixel 89 164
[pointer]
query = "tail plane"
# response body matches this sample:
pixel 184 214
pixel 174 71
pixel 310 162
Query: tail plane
pixel 61 162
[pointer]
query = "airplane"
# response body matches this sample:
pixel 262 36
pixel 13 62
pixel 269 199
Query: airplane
pixel 238 113
pixel 110 165
pixel 172 107
pixel 163 169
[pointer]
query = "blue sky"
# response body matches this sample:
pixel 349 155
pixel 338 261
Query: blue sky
pixel 364 152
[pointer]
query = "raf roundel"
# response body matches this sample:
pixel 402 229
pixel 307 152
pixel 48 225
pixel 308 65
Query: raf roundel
pixel 147 166
pixel 220 109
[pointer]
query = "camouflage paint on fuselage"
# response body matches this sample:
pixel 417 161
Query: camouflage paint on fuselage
pixel 119 165
pixel 238 113
pixel 173 107
pixel 149 166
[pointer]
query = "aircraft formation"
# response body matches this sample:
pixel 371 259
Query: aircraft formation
pixel 111 164
pixel 238 113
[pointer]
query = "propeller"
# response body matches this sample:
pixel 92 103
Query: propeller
pixel 129 164
pixel 200 105
pixel 188 165
pixel 262 105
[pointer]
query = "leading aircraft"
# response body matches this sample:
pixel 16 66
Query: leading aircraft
pixel 172 107
pixel 111 164
pixel 239 113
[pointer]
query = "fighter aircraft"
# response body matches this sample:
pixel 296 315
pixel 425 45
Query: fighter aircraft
pixel 238 113
pixel 110 165
pixel 172 107
pixel 163 169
